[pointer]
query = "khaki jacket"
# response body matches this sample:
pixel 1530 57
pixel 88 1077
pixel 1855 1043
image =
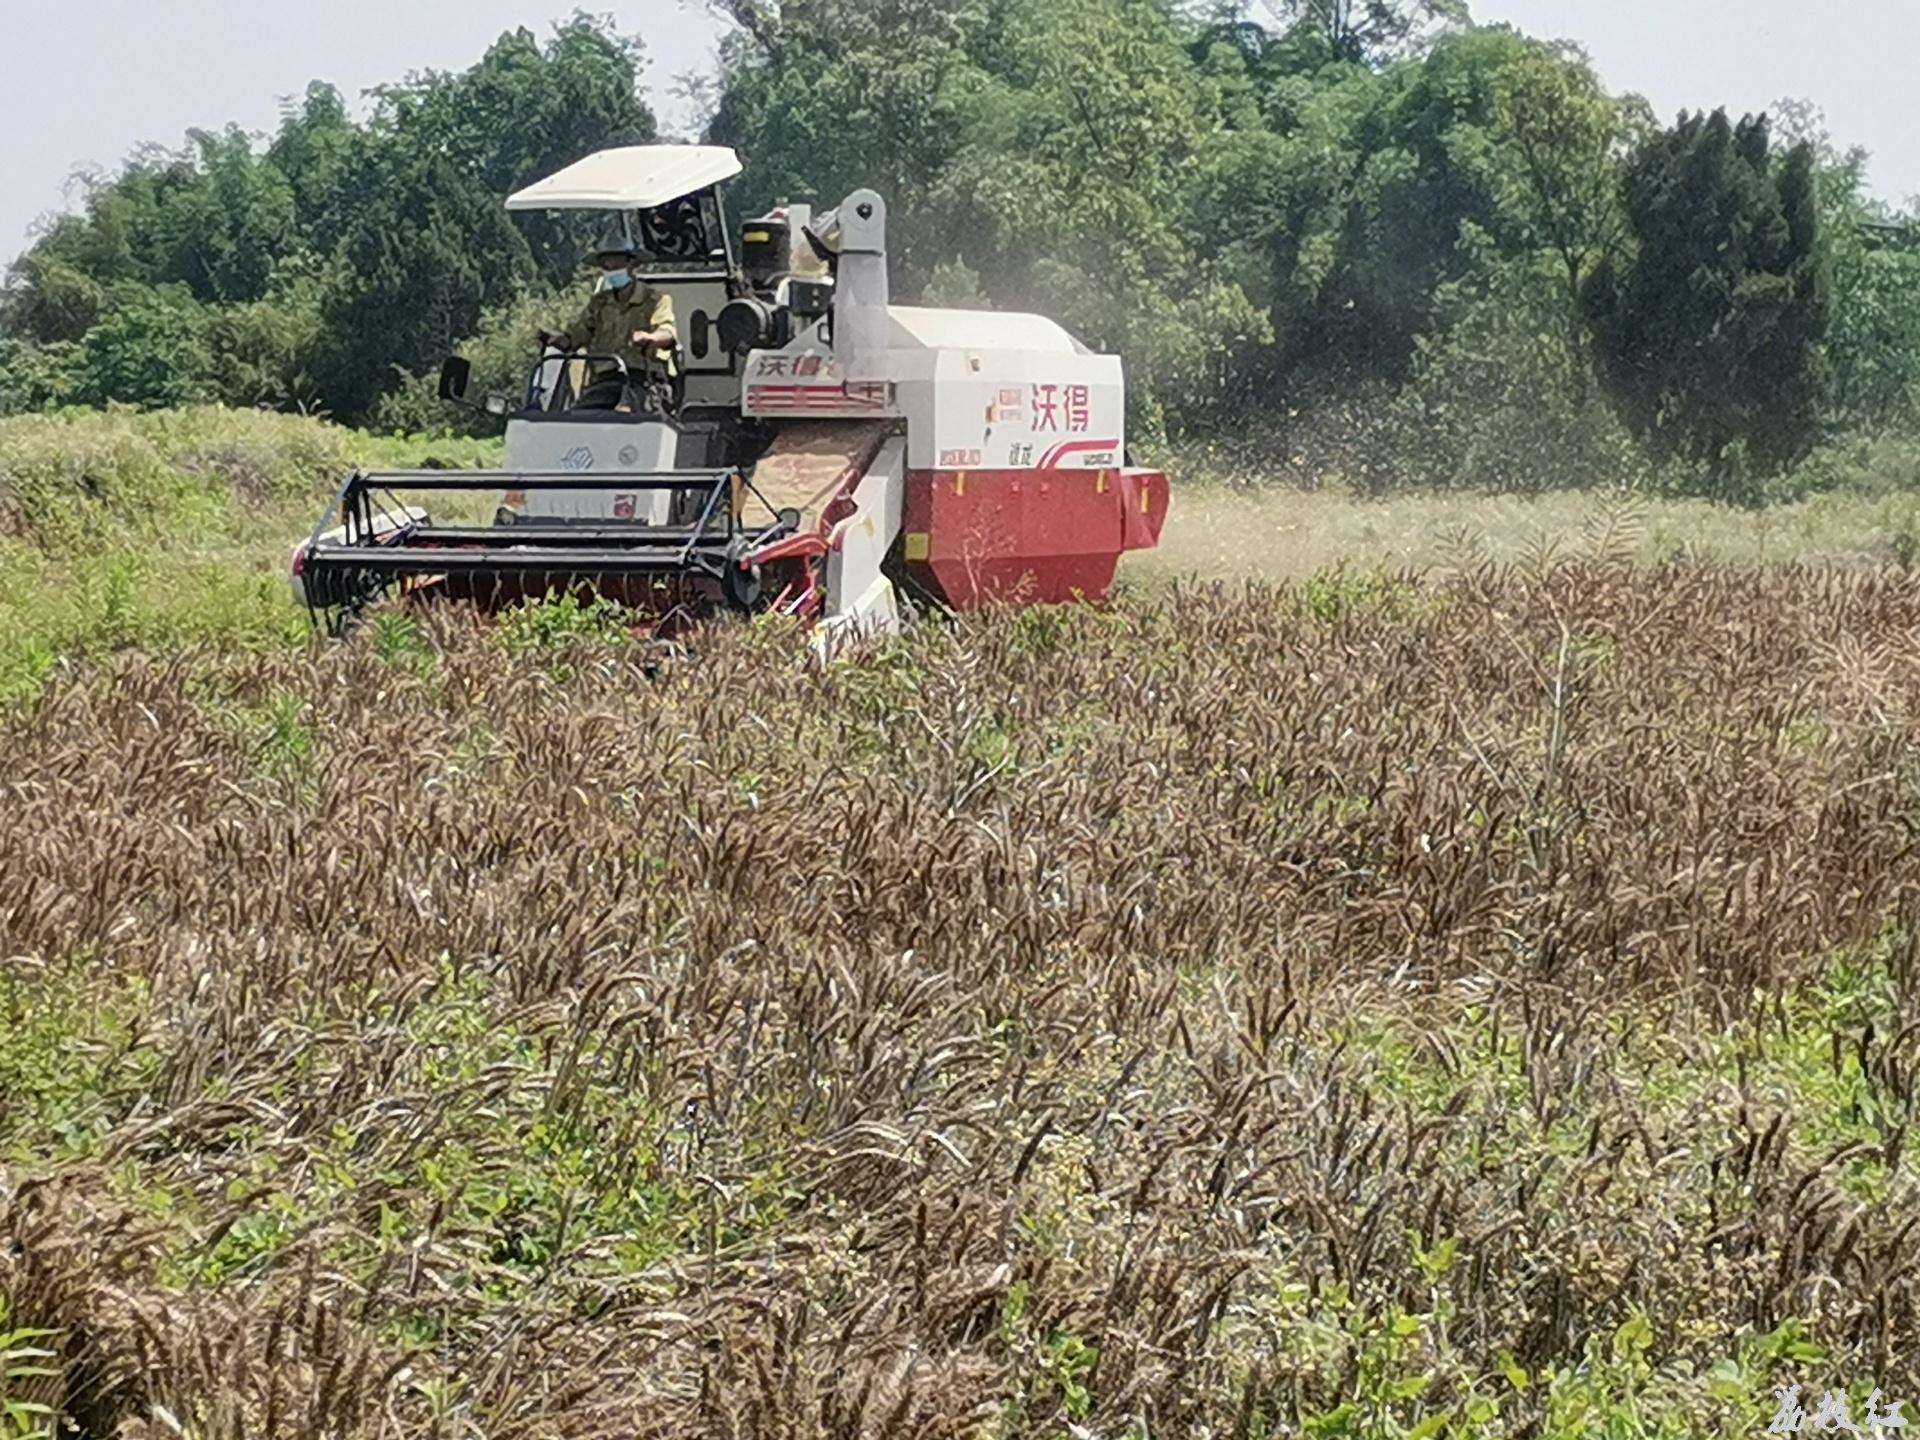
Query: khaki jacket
pixel 613 317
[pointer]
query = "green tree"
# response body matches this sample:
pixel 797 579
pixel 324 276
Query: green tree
pixel 1367 31
pixel 335 255
pixel 524 111
pixel 1418 170
pixel 49 299
pixel 221 229
pixel 35 377
pixel 1711 335
pixel 421 262
pixel 1873 347
pixel 152 349
pixel 266 351
pixel 1558 140
pixel 318 148
pixel 1501 397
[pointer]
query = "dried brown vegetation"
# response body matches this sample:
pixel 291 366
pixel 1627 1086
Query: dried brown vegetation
pixel 1488 1002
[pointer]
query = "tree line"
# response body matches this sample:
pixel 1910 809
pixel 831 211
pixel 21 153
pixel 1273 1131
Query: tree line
pixel 1447 243
pixel 320 270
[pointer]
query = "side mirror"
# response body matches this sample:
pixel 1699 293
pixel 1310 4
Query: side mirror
pixel 455 376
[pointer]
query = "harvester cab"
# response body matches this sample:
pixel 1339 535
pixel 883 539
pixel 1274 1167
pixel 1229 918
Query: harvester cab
pixel 808 447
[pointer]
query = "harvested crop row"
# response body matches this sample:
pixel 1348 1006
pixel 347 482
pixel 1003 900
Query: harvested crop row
pixel 1490 1000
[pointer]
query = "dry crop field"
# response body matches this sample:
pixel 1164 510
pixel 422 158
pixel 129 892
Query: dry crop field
pixel 1274 532
pixel 1483 1006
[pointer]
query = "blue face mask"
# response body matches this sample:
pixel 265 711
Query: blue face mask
pixel 618 279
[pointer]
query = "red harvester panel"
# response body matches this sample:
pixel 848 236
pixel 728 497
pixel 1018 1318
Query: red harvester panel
pixel 1035 536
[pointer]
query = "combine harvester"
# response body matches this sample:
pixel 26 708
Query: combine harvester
pixel 818 452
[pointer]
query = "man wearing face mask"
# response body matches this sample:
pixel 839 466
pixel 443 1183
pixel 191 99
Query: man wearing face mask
pixel 625 317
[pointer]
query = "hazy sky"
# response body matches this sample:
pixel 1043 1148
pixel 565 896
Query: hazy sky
pixel 81 87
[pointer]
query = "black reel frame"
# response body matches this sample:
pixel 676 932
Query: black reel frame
pixel 387 550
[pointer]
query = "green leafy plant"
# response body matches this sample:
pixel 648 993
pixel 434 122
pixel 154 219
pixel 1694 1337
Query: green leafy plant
pixel 21 1359
pixel 562 621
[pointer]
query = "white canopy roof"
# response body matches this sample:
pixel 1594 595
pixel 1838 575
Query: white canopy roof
pixel 637 177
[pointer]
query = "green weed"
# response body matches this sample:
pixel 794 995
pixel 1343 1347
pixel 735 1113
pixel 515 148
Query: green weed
pixel 563 621
pixel 23 1353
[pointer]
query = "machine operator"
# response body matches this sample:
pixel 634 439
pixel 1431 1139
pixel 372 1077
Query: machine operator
pixel 626 317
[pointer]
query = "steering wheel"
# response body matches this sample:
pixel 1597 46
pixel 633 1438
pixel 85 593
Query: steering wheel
pixel 647 388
